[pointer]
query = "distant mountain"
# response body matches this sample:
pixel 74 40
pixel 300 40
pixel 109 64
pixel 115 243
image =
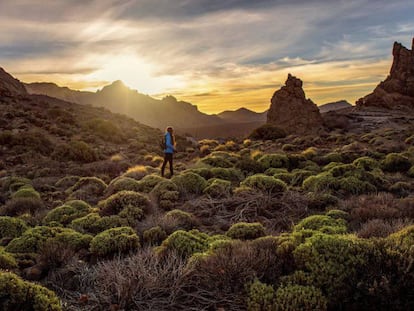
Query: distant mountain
pixel 334 106
pixel 119 98
pixel 243 115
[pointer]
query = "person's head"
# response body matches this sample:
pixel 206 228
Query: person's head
pixel 170 129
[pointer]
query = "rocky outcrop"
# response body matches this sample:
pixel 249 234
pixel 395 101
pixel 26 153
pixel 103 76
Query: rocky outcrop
pixel 10 86
pixel 397 91
pixel 291 111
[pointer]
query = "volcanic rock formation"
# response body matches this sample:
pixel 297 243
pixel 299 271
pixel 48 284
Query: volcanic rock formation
pixel 291 111
pixel 10 86
pixel 397 91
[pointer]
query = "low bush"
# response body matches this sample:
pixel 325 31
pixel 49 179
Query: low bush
pixel 113 241
pixel 26 192
pixel 366 163
pixel 11 227
pixel 166 194
pixel 147 183
pixel 276 160
pixel 395 162
pixel 322 223
pixel 246 231
pixel 77 151
pixel 321 200
pixel 268 132
pixel 186 243
pixel 261 297
pixel 216 161
pixel 21 206
pixel 298 297
pixel 33 239
pixel 218 188
pixel 66 213
pixel 249 165
pixel 93 223
pixel 17 294
pixel 7 261
pixel 154 236
pixel 123 183
pixel 121 200
pixel 178 219
pixel 190 183
pixel 230 174
pixel 264 183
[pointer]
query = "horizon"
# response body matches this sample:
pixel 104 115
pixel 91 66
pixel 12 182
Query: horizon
pixel 217 55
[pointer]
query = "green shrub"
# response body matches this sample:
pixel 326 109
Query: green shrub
pixel 395 162
pixel 67 181
pixel 93 223
pixel 148 183
pixel 186 243
pixel 11 227
pixel 115 240
pixel 403 239
pixel 66 213
pixel 246 231
pixel 321 200
pixel 26 192
pixel 34 239
pixel 216 161
pixel 166 194
pixel 181 219
pixel 123 183
pixel 190 183
pixel 105 129
pixel 331 157
pixel 264 183
pixel 13 183
pixel 90 185
pixel 333 257
pixel 267 132
pixel 275 160
pixel 154 236
pixel 7 261
pixel 411 172
pixel 249 165
pixel 366 163
pixel 118 201
pixel 297 297
pixel 321 182
pixel 322 223
pixel 261 297
pixel 218 188
pixel 17 294
pixel 230 174
pixel 78 151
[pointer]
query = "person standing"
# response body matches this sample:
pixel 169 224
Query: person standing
pixel 169 150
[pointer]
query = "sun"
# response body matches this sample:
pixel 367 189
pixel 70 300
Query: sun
pixel 134 72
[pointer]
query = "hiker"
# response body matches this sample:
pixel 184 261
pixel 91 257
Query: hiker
pixel 169 142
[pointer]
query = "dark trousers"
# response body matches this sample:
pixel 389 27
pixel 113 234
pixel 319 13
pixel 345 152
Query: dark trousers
pixel 168 157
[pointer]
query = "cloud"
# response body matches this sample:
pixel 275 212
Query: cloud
pixel 235 52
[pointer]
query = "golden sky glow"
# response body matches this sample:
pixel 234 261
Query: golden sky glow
pixel 217 55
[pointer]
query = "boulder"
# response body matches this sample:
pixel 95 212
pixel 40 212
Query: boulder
pixel 291 111
pixel 397 91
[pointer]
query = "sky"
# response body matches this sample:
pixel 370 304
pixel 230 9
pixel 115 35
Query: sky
pixel 217 54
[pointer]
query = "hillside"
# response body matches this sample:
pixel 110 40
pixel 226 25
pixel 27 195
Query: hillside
pixel 318 219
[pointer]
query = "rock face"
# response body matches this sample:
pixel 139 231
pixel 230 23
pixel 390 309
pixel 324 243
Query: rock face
pixel 10 86
pixel 291 111
pixel 397 91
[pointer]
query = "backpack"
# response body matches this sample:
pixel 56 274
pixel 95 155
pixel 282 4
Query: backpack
pixel 163 143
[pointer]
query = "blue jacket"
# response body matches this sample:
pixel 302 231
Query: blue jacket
pixel 168 143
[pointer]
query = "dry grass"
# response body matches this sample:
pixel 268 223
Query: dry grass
pixel 276 212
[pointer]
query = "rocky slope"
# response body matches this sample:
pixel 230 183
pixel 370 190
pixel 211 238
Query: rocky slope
pixel 291 111
pixel 397 91
pixel 10 86
pixel 334 106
